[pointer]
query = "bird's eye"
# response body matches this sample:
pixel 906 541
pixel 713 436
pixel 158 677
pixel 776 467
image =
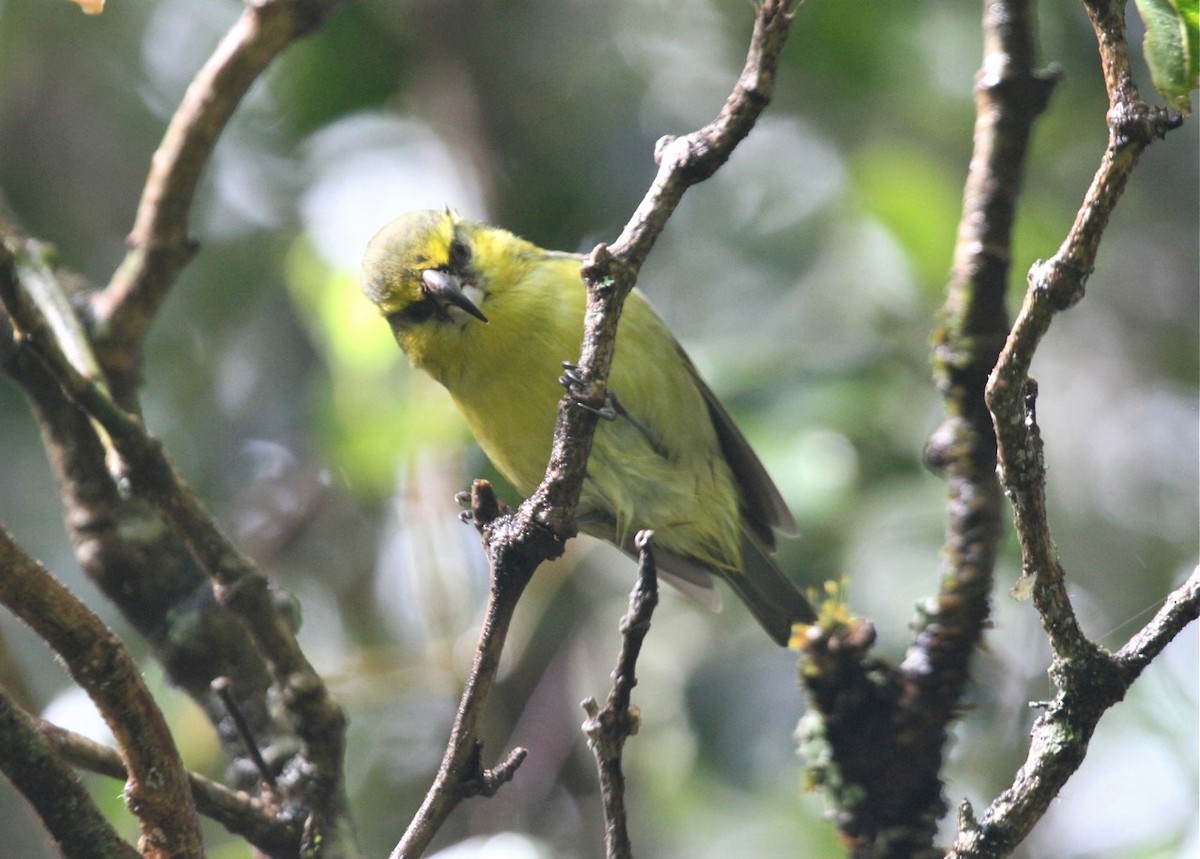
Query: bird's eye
pixel 413 314
pixel 460 255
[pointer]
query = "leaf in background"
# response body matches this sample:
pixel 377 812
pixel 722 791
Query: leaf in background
pixel 90 7
pixel 1172 47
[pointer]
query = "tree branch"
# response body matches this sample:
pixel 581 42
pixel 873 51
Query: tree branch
pixel 237 811
pixel 1088 680
pixel 516 544
pixel 159 246
pixel 29 761
pixel 878 747
pixel 1010 94
pixel 318 718
pixel 608 729
pixel 886 734
pixel 1088 684
pixel 1055 285
pixel 122 543
pixel 610 272
pixel 157 790
pixel 461 774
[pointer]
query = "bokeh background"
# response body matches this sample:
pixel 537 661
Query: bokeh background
pixel 804 279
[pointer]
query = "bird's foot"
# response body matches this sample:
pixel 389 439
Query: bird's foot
pixel 576 387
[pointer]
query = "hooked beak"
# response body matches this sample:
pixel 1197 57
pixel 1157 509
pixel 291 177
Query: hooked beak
pixel 446 291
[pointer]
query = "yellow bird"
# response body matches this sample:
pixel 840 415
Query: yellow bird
pixel 492 317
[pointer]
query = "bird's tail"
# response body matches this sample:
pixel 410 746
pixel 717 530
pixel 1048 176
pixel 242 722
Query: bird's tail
pixel 772 597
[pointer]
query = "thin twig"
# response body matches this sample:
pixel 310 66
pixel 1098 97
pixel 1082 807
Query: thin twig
pixel 1178 611
pixel 608 729
pixel 157 789
pixel 223 687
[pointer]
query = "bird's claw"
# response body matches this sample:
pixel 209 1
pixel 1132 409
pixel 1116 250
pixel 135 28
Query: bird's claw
pixel 572 381
pixel 570 377
pixel 606 411
pixel 466 515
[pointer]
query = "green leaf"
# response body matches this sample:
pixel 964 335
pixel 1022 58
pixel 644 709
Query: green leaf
pixel 1172 47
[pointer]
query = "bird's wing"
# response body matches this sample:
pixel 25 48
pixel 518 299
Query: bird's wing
pixel 764 507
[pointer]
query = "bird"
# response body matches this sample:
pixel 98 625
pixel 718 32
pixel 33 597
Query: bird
pixel 492 318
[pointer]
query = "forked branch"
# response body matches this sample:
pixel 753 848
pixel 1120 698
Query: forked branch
pixel 1088 680
pixel 516 544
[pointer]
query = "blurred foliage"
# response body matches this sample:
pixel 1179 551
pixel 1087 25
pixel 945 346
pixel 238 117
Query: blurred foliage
pixel 1172 47
pixel 804 279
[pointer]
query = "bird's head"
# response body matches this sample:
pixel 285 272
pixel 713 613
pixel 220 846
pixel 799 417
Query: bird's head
pixel 423 267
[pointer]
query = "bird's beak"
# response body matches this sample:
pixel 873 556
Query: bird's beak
pixel 446 291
